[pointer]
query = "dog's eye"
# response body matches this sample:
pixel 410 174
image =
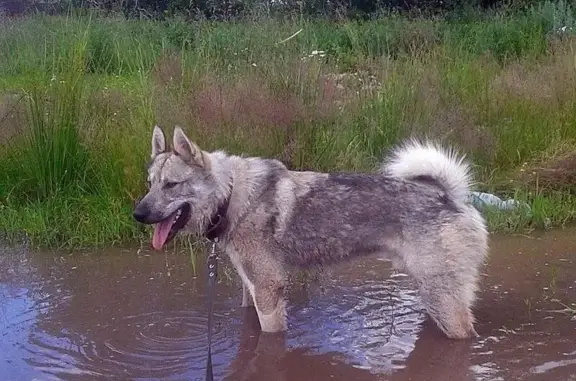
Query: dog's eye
pixel 169 185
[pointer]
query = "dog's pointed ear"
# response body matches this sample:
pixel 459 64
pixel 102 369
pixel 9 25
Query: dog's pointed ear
pixel 158 142
pixel 188 151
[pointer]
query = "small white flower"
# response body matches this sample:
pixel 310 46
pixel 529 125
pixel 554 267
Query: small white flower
pixel 254 64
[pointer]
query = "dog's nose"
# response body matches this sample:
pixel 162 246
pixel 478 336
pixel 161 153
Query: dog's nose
pixel 140 215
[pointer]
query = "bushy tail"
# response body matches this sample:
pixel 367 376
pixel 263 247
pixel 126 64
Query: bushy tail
pixel 414 159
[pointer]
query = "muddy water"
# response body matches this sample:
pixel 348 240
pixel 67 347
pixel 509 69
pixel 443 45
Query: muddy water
pixel 129 315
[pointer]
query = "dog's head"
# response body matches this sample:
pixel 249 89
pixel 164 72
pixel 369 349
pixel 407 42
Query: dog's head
pixel 182 191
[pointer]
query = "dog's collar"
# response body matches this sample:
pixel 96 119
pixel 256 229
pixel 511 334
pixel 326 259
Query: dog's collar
pixel 219 222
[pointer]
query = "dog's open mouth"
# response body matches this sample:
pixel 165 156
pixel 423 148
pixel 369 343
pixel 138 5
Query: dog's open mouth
pixel 166 230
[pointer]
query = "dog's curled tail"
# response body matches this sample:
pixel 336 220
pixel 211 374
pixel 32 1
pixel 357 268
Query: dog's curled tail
pixel 415 160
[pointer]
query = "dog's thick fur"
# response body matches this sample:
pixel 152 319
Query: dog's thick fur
pixel 413 211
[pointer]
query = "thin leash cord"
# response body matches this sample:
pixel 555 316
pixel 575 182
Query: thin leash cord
pixel 212 274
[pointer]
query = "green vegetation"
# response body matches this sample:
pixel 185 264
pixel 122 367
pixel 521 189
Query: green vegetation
pixel 79 96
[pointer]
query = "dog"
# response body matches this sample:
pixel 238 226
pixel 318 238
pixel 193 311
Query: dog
pixel 413 210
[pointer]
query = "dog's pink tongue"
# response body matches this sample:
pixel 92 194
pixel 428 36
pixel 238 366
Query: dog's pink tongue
pixel 161 231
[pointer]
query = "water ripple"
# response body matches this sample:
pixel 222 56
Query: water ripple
pixel 156 344
pixel 374 324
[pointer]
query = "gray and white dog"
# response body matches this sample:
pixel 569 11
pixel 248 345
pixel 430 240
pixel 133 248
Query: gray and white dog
pixel 268 219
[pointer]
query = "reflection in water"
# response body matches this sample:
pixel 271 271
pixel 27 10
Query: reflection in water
pixel 569 360
pixel 125 316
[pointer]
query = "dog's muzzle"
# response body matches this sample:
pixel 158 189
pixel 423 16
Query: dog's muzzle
pixel 141 214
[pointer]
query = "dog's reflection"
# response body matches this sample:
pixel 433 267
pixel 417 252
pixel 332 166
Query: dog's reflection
pixel 263 356
pixel 436 358
pixel 258 354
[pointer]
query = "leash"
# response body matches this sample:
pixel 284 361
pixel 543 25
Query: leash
pixel 216 228
pixel 212 274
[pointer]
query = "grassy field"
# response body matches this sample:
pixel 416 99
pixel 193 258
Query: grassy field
pixel 79 97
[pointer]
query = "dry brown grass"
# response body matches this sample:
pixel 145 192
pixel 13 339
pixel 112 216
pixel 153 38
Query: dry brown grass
pixel 419 40
pixel 251 111
pixel 557 171
pixel 12 116
pixel 547 83
pixel 244 103
pixel 244 111
pixel 561 43
pixel 443 116
pixel 167 70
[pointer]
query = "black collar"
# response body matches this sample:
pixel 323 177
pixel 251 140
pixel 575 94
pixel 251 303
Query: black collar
pixel 219 221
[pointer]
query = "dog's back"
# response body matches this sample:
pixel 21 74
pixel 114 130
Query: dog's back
pixel 419 191
pixel 344 215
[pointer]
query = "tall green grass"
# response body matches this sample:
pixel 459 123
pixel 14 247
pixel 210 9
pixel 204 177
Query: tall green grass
pixel 334 97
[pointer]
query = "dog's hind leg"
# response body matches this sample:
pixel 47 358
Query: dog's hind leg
pixel 448 301
pixel 447 275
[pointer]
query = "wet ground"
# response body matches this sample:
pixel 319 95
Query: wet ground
pixel 130 315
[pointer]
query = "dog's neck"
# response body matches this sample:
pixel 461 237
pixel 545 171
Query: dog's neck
pixel 219 222
pixel 226 167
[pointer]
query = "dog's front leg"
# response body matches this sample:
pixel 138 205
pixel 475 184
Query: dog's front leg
pixel 247 300
pixel 270 306
pixel 268 284
pixel 263 278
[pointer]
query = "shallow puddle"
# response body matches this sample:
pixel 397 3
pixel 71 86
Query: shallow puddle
pixel 130 315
